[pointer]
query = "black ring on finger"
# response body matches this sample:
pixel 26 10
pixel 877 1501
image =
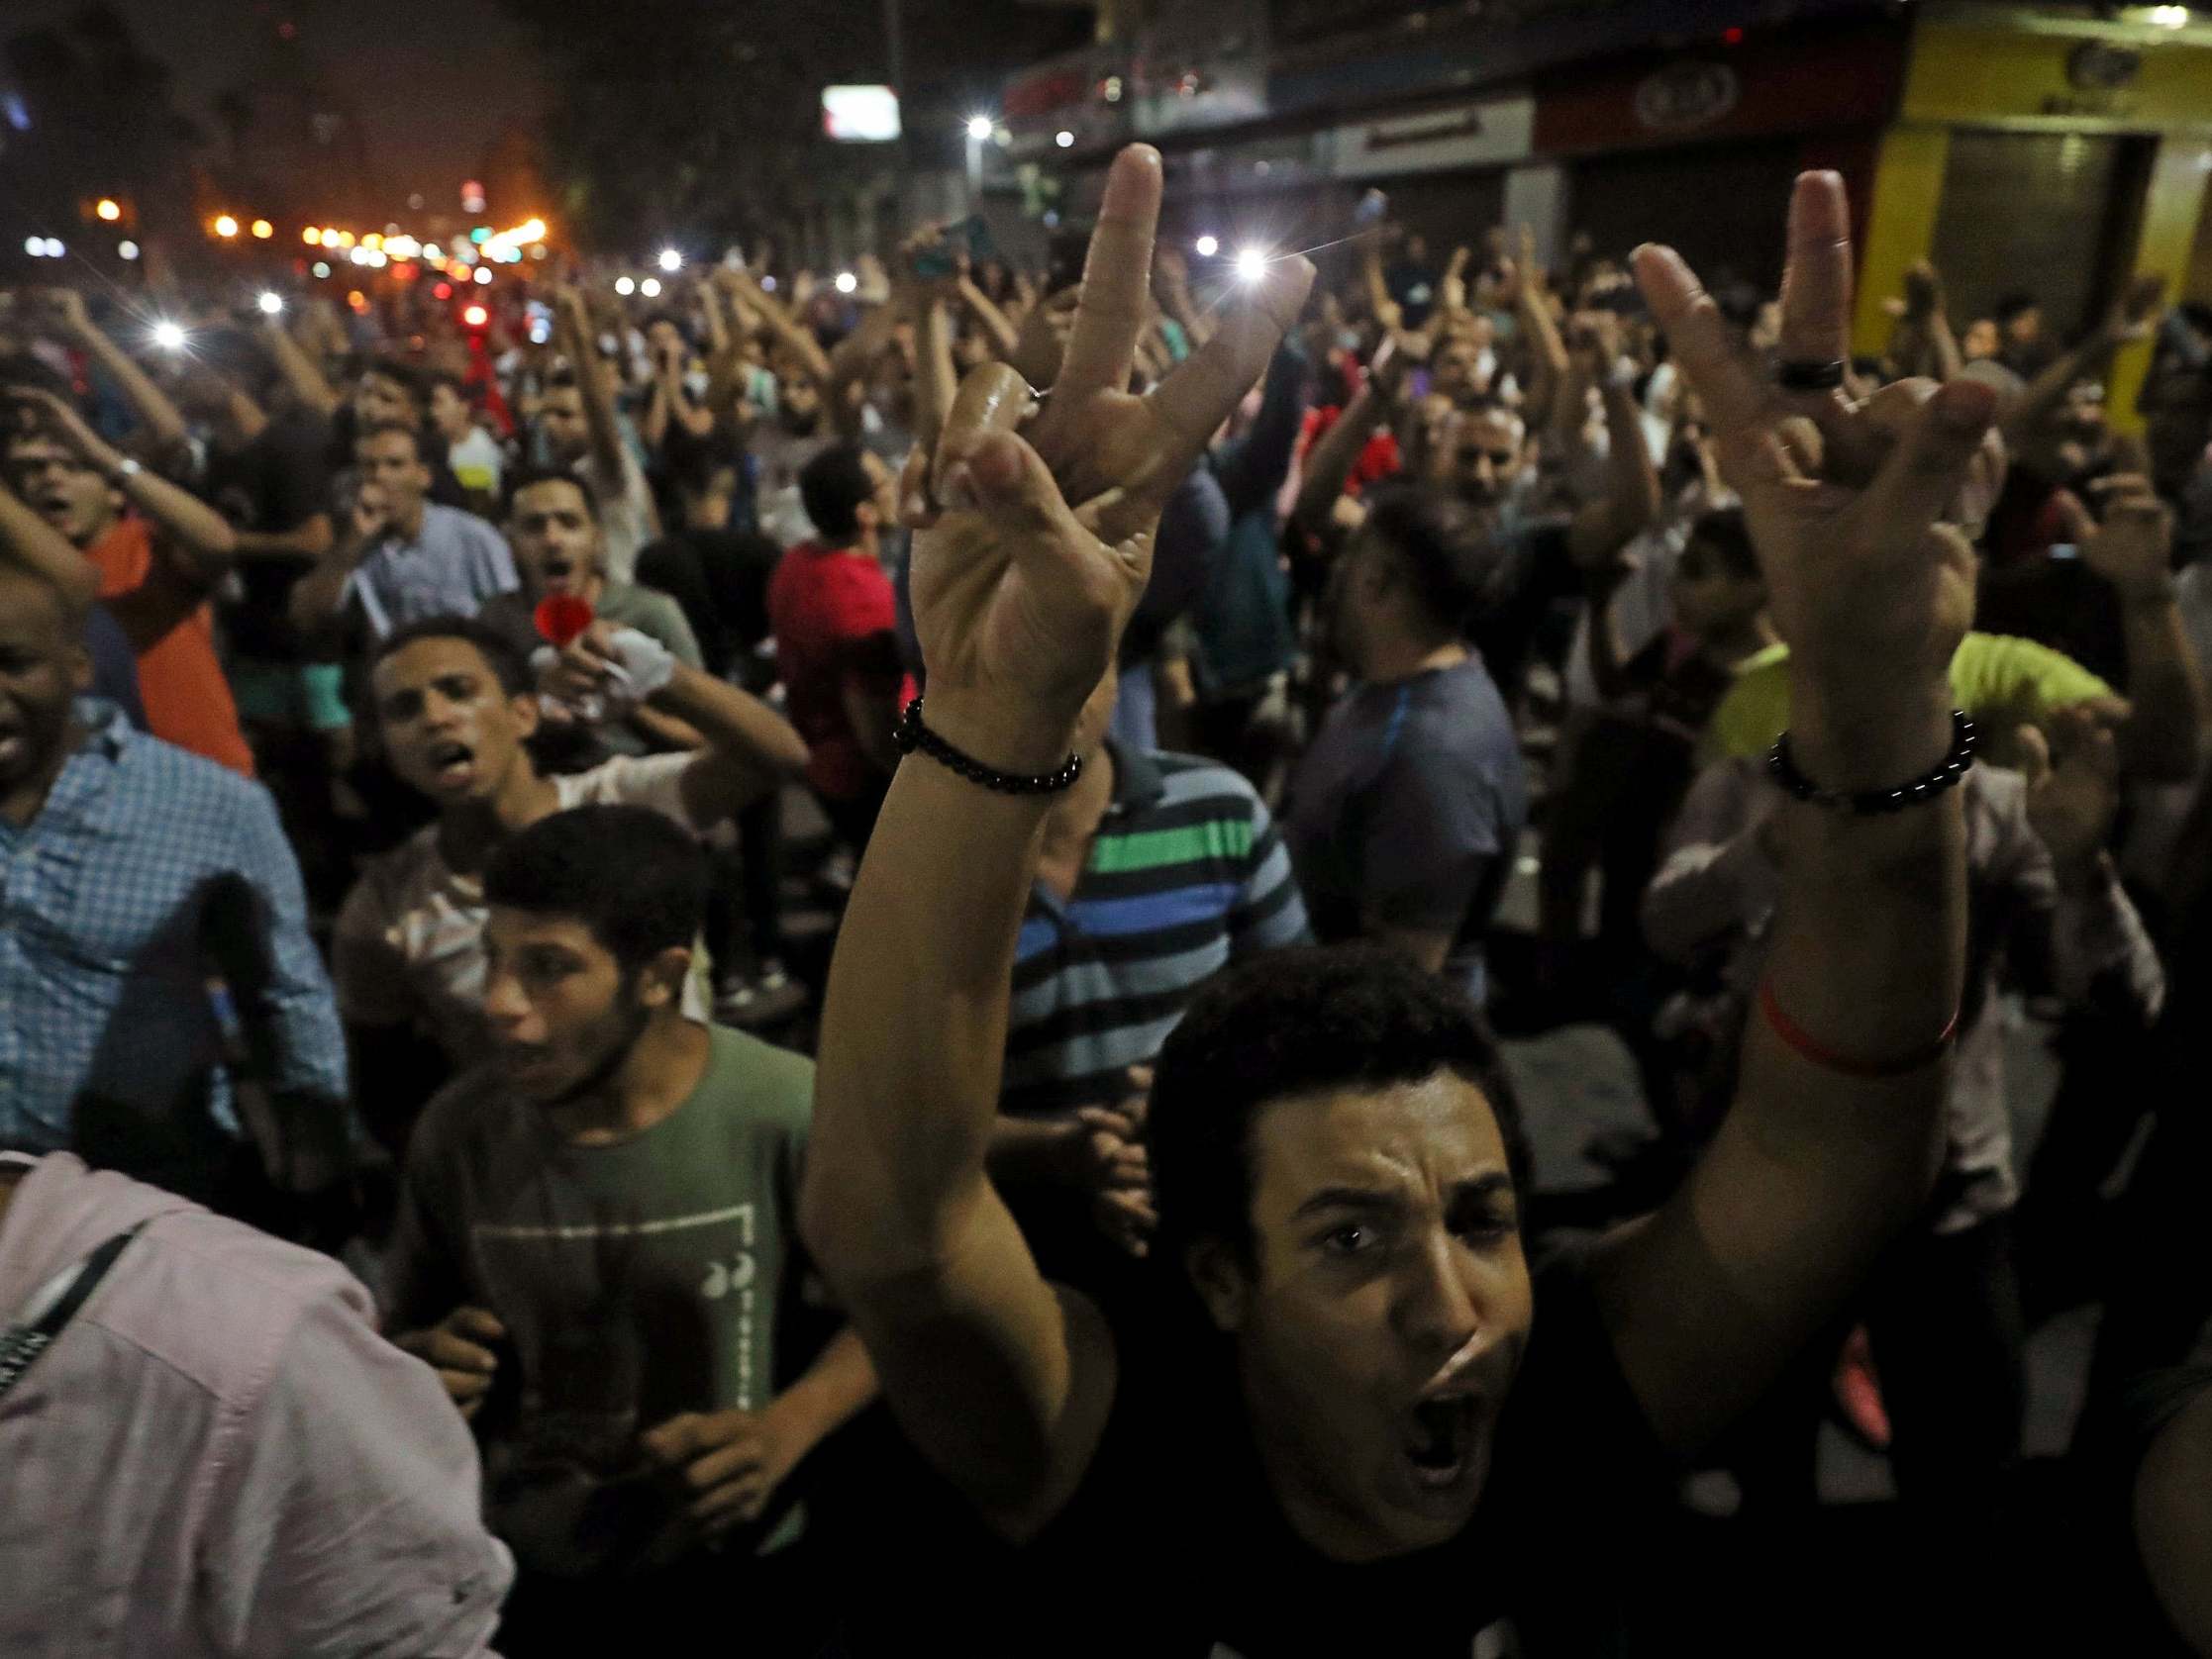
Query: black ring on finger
pixel 1801 374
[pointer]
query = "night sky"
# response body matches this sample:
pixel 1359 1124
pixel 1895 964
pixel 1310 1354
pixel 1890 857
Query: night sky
pixel 433 81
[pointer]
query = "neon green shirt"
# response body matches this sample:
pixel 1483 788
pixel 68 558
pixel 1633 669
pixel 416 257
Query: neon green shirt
pixel 1999 680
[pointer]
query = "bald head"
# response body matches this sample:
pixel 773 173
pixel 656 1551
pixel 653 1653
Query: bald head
pixel 43 667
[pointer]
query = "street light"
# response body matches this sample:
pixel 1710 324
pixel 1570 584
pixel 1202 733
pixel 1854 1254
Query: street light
pixel 263 229
pixel 671 260
pixel 1208 246
pixel 475 316
pixel 126 251
pixel 1065 139
pixel 625 286
pixel 980 127
pixel 169 336
pixel 846 282
pixel 483 276
pixel 272 305
pixel 650 287
pixel 312 235
pixel 108 208
pixel 1251 264
pixel 224 225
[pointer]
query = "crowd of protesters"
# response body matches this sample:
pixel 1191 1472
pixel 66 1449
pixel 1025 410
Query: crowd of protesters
pixel 813 969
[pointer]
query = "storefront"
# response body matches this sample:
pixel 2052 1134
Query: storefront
pixel 1700 149
pixel 1448 172
pixel 2048 156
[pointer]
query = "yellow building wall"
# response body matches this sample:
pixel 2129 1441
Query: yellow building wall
pixel 2020 80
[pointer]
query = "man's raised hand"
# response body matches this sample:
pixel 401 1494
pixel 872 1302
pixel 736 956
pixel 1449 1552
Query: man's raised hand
pixel 1848 504
pixel 1037 516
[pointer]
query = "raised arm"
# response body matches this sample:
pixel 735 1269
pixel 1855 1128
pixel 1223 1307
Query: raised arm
pixel 786 329
pixel 1386 309
pixel 997 327
pixel 2132 549
pixel 2131 320
pixel 28 541
pixel 1631 502
pixel 578 342
pixel 192 536
pixel 307 382
pixel 1607 667
pixel 1020 590
pixel 749 749
pixel 1547 354
pixel 1923 342
pixel 165 430
pixel 1254 469
pixel 1172 287
pixel 1330 461
pixel 850 361
pixel 1836 1130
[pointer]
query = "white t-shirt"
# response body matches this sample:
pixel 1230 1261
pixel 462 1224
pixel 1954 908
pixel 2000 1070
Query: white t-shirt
pixel 779 456
pixel 409 948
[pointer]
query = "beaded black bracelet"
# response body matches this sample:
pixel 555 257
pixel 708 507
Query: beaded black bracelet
pixel 911 734
pixel 1870 802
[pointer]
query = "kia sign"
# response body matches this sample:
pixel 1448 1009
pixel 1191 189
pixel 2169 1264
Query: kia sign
pixel 861 114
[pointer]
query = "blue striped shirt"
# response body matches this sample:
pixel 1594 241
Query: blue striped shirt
pixel 1186 875
pixel 139 860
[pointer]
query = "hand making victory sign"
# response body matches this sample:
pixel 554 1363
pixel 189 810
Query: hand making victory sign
pixel 1046 505
pixel 1872 589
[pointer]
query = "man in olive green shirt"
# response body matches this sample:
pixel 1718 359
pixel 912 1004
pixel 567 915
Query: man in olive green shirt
pixel 595 1243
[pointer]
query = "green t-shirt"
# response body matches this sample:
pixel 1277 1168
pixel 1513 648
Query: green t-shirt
pixel 1999 680
pixel 637 1281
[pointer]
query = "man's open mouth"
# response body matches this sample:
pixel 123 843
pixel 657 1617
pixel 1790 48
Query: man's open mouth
pixel 451 763
pixel 1443 1436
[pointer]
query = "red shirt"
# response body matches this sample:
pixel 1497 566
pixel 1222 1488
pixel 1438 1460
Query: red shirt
pixel 836 624
pixel 165 616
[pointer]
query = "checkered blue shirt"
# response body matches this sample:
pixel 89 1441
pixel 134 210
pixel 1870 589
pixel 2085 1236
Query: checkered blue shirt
pixel 111 1042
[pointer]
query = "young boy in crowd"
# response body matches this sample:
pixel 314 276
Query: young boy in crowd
pixel 456 709
pixel 595 1241
pixel 476 459
pixel 1630 772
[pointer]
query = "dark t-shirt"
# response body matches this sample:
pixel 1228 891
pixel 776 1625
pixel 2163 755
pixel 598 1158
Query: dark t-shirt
pixel 1532 575
pixel 1407 809
pixel 2057 602
pixel 1674 688
pixel 721 579
pixel 273 484
pixel 1175 1548
pixel 115 665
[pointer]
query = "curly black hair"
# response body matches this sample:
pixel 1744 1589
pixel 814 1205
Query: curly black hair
pixel 1291 1023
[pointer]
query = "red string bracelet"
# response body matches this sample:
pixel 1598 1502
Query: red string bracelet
pixel 1828 1059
